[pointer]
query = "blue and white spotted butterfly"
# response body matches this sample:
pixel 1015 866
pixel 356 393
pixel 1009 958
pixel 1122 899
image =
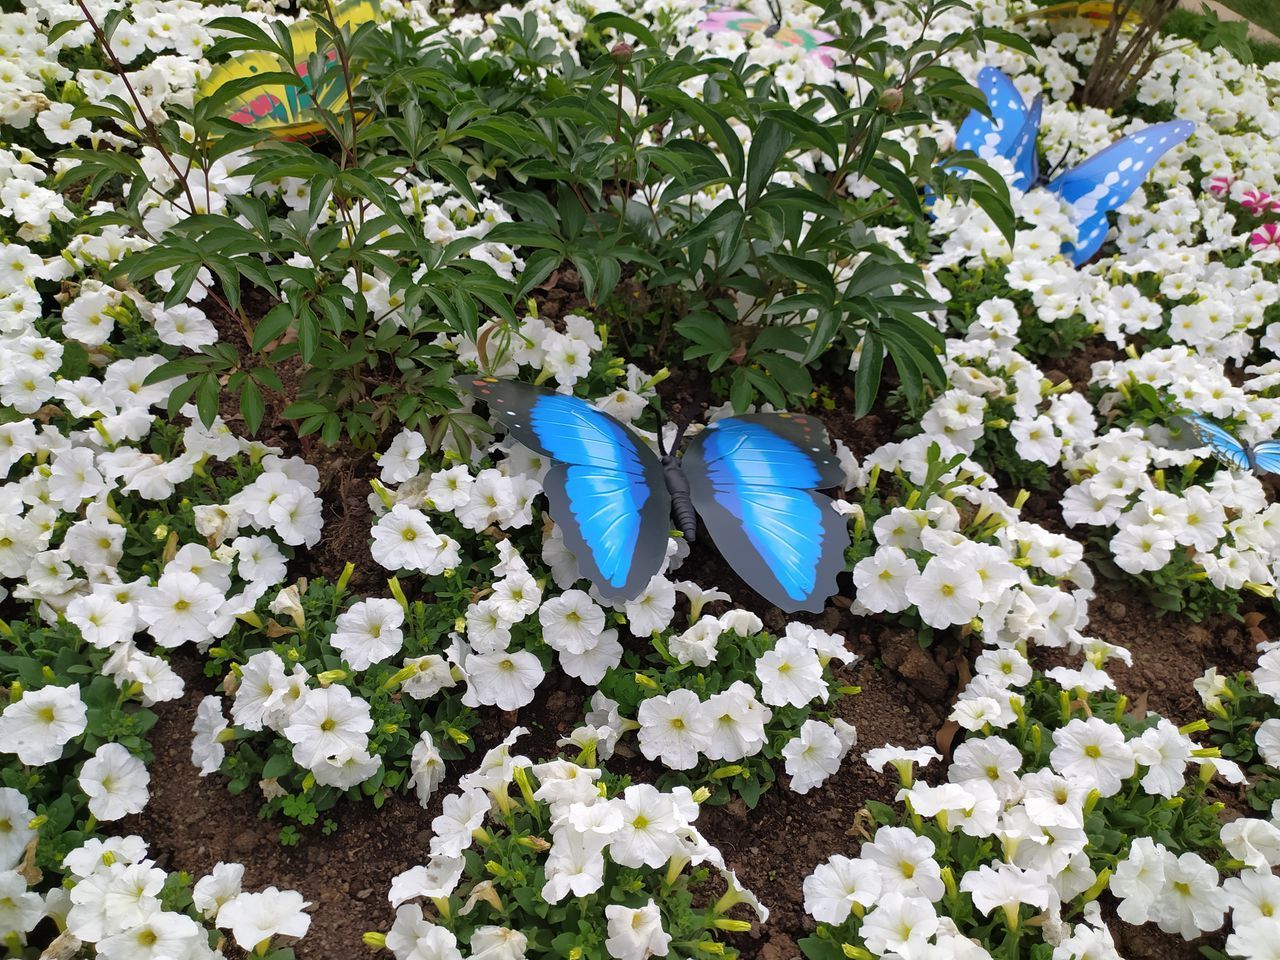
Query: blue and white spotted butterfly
pixel 1094 188
pixel 1263 457
pixel 752 479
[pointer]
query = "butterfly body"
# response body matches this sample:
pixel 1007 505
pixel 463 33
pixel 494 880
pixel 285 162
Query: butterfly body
pixel 682 512
pixel 1261 457
pixel 751 479
pixel 1091 189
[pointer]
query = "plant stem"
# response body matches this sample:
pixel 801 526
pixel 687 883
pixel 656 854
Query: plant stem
pixel 152 133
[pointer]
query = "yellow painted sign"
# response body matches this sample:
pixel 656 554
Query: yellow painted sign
pixel 289 112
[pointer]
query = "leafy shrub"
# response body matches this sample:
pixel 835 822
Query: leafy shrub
pixel 351 269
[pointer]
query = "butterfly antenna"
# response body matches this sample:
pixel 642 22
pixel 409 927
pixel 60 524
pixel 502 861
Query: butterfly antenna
pixel 1046 177
pixel 661 452
pixel 675 444
pixel 775 9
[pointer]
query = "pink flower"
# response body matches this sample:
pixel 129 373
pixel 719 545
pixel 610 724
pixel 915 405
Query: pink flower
pixel 1267 235
pixel 1257 202
pixel 1220 185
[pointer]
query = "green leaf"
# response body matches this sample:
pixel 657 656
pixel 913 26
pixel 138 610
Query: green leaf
pixel 866 380
pixel 251 405
pixel 624 24
pixel 809 273
pixel 272 326
pixel 537 267
pixel 709 336
pixel 277 766
pixel 308 333
pixel 456 177
pixel 207 393
pixel 768 144
pixel 61 29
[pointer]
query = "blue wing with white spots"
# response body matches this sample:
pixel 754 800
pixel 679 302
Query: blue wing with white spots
pixel 606 490
pixel 1025 156
pixel 753 481
pixel 994 136
pixel 1108 178
pixel 1225 447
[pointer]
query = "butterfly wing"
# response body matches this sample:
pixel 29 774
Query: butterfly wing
pixel 753 481
pixel 1025 156
pixel 994 136
pixel 1266 456
pixel 1108 178
pixel 606 490
pixel 1225 447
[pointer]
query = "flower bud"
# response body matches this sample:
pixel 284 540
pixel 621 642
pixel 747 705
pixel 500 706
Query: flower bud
pixel 397 591
pixel 620 53
pixel 891 100
pixel 375 940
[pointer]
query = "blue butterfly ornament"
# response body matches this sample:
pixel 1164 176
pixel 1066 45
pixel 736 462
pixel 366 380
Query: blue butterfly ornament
pixel 752 479
pixel 1093 189
pixel 1263 457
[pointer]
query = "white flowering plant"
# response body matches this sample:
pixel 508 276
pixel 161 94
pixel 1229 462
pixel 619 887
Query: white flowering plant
pixel 1156 503
pixel 564 860
pixel 727 706
pixel 118 902
pixel 936 551
pixel 73 742
pixel 1038 334
pixel 347 696
pixel 1052 800
pixel 1001 409
pixel 1244 723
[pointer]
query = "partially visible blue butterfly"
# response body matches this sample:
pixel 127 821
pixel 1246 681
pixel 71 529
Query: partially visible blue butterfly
pixel 1095 187
pixel 1263 457
pixel 752 479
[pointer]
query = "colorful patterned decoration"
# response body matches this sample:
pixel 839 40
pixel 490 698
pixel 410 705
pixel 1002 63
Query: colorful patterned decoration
pixel 288 112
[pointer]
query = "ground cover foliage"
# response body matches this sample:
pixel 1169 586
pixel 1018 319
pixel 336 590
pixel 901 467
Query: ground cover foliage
pixel 256 548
